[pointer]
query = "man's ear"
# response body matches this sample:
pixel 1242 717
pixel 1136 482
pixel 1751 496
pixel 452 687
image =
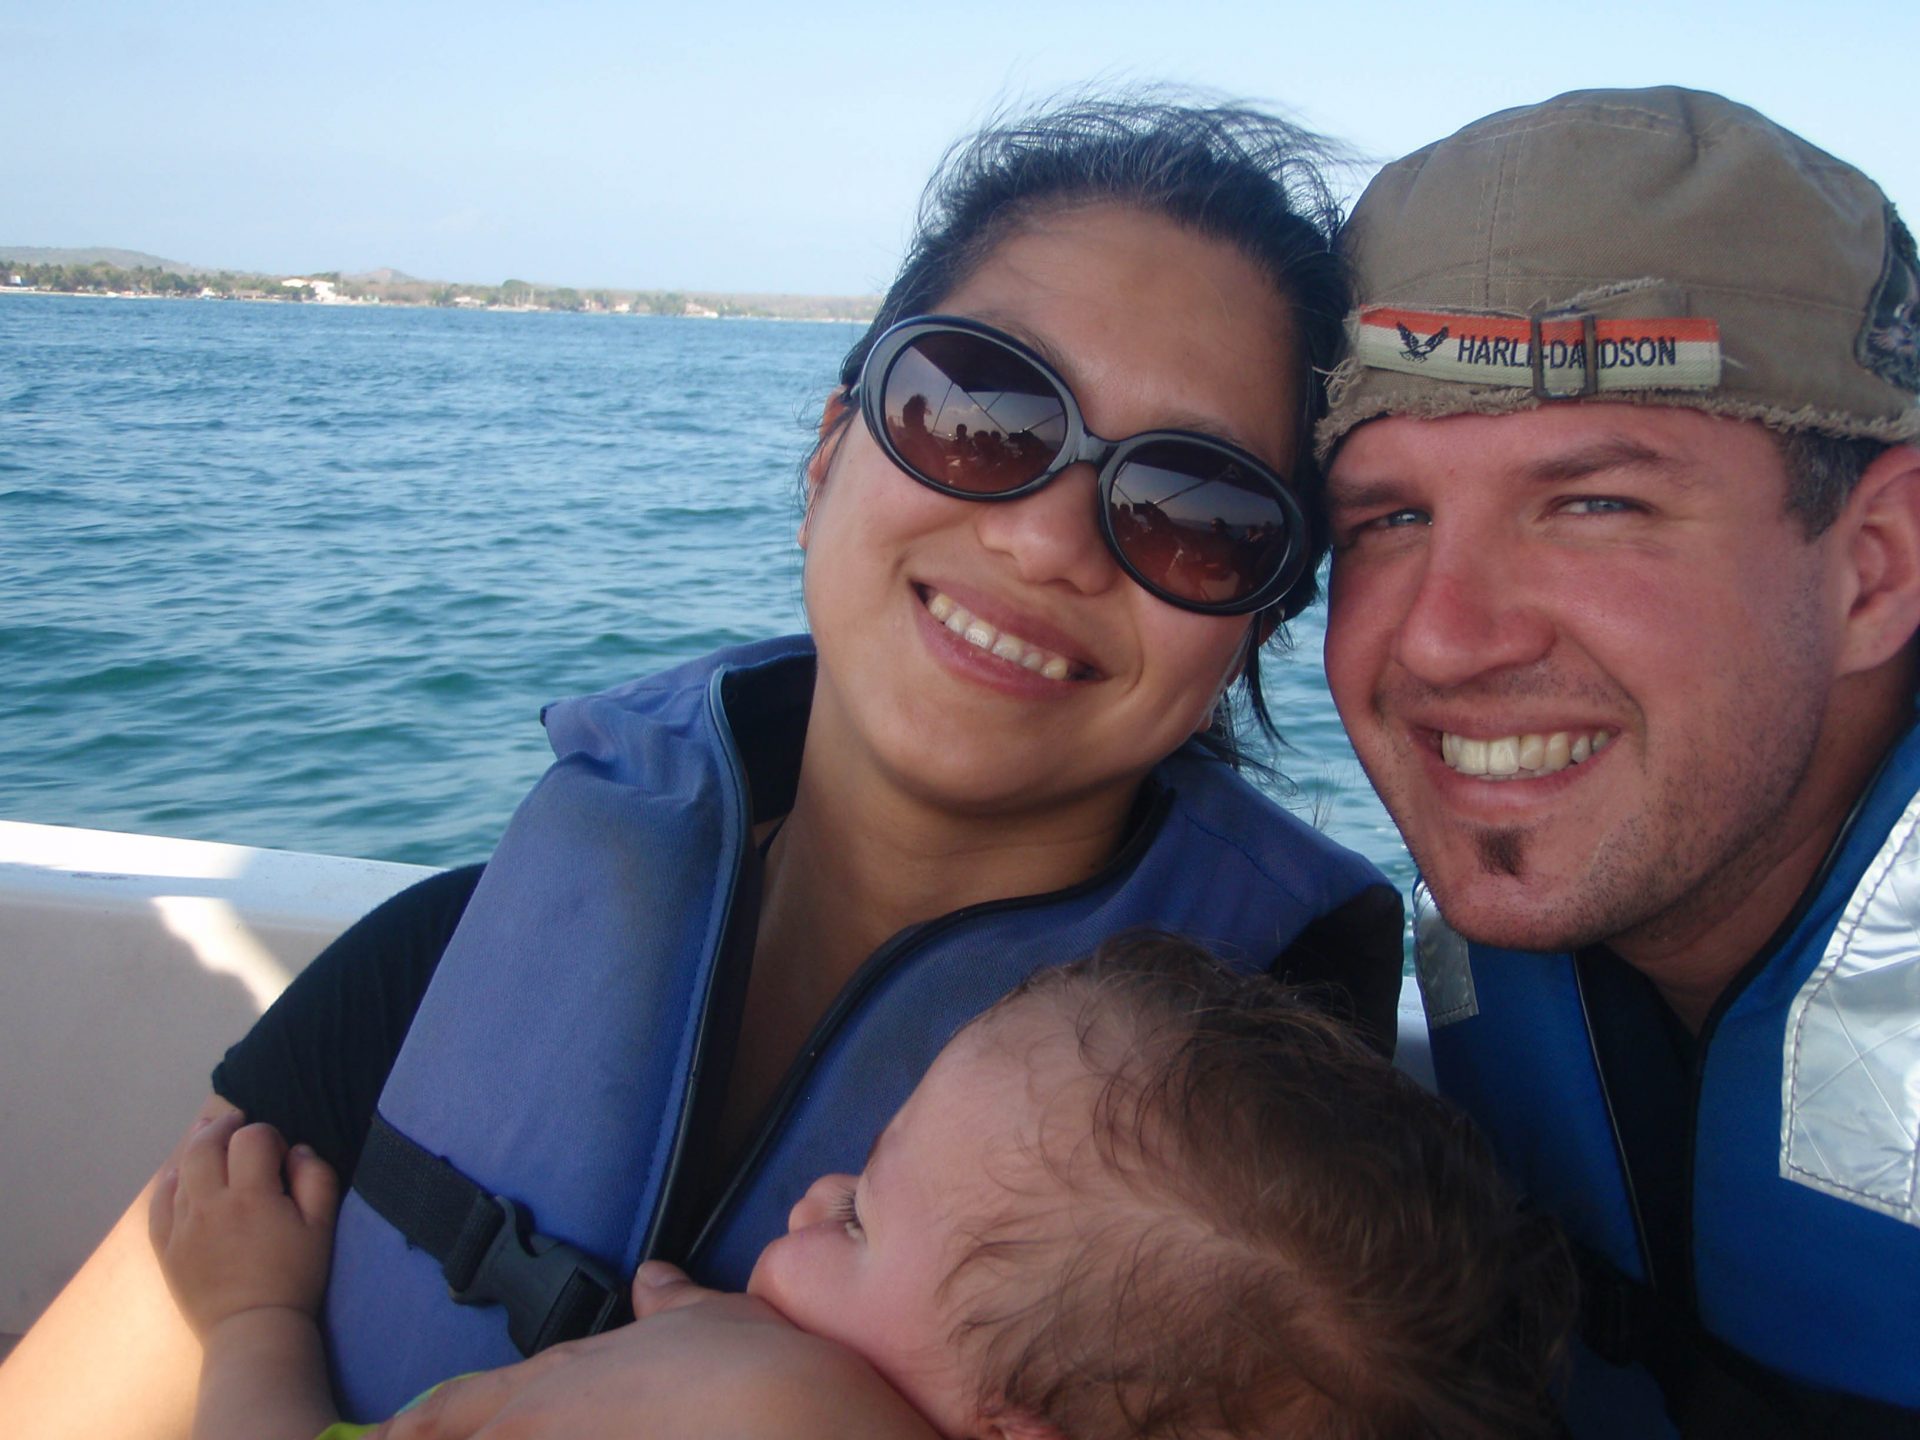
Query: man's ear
pixel 835 416
pixel 1882 533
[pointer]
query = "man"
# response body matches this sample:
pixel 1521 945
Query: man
pixel 1626 578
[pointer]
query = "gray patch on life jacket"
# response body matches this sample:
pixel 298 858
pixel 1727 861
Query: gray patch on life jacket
pixel 1440 962
pixel 1889 341
pixel 1850 1078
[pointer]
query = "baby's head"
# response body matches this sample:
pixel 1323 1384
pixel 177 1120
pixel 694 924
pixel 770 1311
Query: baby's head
pixel 1143 1196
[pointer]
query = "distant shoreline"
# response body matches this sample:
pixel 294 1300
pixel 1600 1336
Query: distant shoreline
pixel 422 305
pixel 131 274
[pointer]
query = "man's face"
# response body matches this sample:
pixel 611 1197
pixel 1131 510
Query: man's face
pixel 1585 656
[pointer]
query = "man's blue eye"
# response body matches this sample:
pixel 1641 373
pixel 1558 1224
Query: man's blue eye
pixel 1349 532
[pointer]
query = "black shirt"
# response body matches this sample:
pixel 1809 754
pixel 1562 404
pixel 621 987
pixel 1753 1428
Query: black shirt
pixel 314 1065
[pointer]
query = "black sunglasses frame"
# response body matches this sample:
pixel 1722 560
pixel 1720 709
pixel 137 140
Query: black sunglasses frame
pixel 1081 446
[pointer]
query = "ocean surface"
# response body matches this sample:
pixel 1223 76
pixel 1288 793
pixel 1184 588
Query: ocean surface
pixel 303 576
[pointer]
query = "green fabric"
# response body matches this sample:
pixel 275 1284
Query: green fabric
pixel 347 1430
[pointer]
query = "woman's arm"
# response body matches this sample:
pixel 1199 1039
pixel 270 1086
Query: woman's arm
pixel 695 1365
pixel 112 1358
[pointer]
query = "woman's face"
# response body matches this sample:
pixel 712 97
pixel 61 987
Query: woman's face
pixel 1075 681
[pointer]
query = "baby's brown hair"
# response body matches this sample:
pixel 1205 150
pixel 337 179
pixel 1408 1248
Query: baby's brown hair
pixel 1266 1230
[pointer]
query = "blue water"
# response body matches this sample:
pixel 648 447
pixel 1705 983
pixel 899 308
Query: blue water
pixel 303 576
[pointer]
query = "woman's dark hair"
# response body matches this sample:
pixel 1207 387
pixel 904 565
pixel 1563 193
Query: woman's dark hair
pixel 1225 171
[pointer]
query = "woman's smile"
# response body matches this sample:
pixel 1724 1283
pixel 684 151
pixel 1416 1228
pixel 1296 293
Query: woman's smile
pixel 1001 641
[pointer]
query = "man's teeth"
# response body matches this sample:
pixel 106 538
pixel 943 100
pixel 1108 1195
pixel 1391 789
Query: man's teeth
pixel 1521 757
pixel 977 632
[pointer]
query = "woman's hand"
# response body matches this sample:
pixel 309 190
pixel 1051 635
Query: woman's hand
pixel 695 1363
pixel 233 1236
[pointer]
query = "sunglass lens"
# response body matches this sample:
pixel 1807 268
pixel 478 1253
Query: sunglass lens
pixel 970 416
pixel 1196 523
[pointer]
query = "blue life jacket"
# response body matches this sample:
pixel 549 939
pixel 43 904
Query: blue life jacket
pixel 1799 1283
pixel 598 974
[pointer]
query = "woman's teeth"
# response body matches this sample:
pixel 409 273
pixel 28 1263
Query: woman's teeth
pixel 977 632
pixel 1521 757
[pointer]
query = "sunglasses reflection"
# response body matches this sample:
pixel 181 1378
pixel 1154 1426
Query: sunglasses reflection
pixel 973 453
pixel 1206 558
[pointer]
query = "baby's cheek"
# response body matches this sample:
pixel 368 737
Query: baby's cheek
pixel 787 1276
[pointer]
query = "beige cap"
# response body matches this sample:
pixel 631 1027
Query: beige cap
pixel 1663 246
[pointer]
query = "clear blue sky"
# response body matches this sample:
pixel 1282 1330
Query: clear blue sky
pixel 752 145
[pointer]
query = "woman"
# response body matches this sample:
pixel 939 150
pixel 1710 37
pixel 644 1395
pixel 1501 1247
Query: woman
pixel 734 923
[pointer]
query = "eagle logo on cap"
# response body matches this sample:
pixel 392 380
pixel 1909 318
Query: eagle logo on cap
pixel 1414 348
pixel 1889 343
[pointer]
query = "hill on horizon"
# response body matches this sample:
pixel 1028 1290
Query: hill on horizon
pixel 141 260
pixel 96 255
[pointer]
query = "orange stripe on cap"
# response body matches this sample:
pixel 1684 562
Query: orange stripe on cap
pixel 1577 353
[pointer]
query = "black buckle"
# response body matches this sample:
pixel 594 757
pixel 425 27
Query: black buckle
pixel 1609 1317
pixel 552 1291
pixel 1589 355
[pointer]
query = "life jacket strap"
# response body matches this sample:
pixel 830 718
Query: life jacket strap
pixel 487 1247
pixel 1713 1391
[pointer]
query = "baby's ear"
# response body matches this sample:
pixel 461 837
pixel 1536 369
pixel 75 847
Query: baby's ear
pixel 1018 1425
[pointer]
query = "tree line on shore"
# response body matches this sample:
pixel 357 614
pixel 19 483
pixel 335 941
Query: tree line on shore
pixel 100 278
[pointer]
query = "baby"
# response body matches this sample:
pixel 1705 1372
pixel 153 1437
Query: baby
pixel 1139 1197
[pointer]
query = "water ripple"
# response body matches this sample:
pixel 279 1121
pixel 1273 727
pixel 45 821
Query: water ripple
pixel 303 577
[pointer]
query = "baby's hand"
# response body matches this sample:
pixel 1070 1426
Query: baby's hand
pixel 230 1236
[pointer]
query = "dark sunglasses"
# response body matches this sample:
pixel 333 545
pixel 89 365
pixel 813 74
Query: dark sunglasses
pixel 973 413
